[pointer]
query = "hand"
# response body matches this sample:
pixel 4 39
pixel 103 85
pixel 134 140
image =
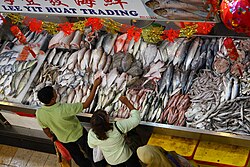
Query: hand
pixel 123 99
pixel 98 81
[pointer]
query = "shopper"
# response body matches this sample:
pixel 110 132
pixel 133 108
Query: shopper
pixel 105 135
pixel 60 121
pixel 152 156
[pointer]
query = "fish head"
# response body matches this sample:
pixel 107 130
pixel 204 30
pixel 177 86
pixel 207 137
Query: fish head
pixel 161 12
pixel 153 4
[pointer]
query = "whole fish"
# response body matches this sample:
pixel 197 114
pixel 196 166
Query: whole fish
pixel 102 62
pixel 150 54
pixel 23 82
pixel 191 53
pixel 184 80
pixel 108 42
pixel 228 89
pixel 181 52
pixel 116 61
pixel 108 63
pixel 172 48
pixel 100 41
pixel 85 63
pixel 65 41
pixel 81 55
pixel 72 60
pixel 96 56
pixel 119 43
pixel 209 59
pixel 126 62
pixel 51 56
pixel 205 46
pixel 57 58
pixel 75 43
pixel 136 46
pixel 136 69
pixel 190 81
pixel 176 78
pixel 235 88
pixel 166 79
pixel 63 59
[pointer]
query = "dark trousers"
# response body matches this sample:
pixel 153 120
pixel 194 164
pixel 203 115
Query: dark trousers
pixel 74 149
pixel 133 161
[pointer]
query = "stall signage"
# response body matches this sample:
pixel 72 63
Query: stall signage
pixel 89 8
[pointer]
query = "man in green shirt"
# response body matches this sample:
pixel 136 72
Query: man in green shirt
pixel 60 120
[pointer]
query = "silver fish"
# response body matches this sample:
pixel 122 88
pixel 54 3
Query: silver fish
pixel 191 53
pixel 108 42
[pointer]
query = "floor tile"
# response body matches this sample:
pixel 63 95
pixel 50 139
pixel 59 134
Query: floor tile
pixel 7 153
pixel 21 157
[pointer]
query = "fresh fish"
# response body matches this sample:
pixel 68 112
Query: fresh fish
pixel 166 79
pixel 57 58
pixel 72 60
pixel 126 62
pixel 119 43
pixel 190 81
pixel 235 88
pixel 23 82
pixel 131 45
pixel 81 55
pixel 100 41
pixel 111 76
pixel 108 42
pixel 228 90
pixel 136 46
pixel 136 69
pixel 205 45
pixel 65 41
pixel 75 43
pixel 191 53
pixel 102 62
pixel 181 52
pixel 116 61
pixel 143 47
pixel 172 48
pixel 108 63
pixel 51 56
pixel 63 59
pixel 176 78
pixel 85 63
pixel 54 42
pixel 209 59
pixel 150 54
pixel 96 56
pixel 184 80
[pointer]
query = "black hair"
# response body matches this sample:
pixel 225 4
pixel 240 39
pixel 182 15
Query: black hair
pixel 100 124
pixel 46 94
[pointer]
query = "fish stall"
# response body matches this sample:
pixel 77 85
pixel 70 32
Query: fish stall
pixel 189 86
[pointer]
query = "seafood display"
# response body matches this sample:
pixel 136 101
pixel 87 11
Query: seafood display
pixel 15 73
pixel 188 82
pixel 179 9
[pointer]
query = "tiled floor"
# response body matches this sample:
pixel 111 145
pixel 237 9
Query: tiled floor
pixel 19 157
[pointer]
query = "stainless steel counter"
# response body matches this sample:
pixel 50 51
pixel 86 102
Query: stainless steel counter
pixel 198 134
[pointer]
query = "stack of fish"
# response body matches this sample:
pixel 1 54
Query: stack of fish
pixel 179 9
pixel 174 113
pixel 148 74
pixel 14 74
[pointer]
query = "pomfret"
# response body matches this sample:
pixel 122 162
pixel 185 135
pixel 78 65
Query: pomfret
pixel 108 42
pixel 126 62
pixel 102 62
pixel 96 57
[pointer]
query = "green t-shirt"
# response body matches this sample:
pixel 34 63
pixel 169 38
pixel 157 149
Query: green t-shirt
pixel 62 120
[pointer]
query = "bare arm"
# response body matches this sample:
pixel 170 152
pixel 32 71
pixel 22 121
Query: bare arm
pixel 49 134
pixel 89 100
pixel 125 101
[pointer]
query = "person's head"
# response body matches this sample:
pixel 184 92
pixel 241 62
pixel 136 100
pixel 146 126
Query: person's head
pixel 152 156
pixel 100 124
pixel 47 95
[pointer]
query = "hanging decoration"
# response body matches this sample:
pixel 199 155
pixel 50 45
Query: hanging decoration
pixel 170 35
pixel 235 15
pixel 33 24
pixel 95 23
pixel 80 25
pixel 18 34
pixel 151 34
pixel 188 31
pixel 134 32
pixel 66 28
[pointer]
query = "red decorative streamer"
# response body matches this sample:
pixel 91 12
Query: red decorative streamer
pixel 170 34
pixel 18 34
pixel 134 32
pixel 231 49
pixel 204 28
pixel 3 19
pixel 66 28
pixel 95 23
